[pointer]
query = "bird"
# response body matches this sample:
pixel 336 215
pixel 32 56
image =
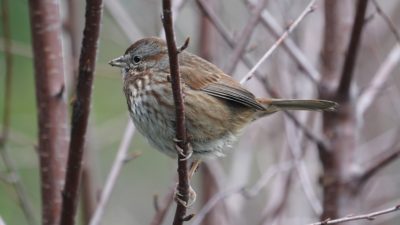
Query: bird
pixel 217 107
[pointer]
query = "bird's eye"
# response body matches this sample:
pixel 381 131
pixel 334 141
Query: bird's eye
pixel 136 59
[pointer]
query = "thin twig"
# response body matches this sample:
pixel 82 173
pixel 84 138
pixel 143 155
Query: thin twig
pixel 294 142
pixel 116 167
pixel 388 21
pixel 289 45
pixel 213 201
pixel 176 7
pixel 122 18
pixel 386 158
pixel 309 8
pixel 280 189
pixel 9 164
pixel 321 143
pixel 375 87
pixel 81 109
pixel 183 183
pixel 266 178
pixel 343 91
pixel 369 216
pixel 161 212
pixel 18 48
pixel 224 32
pixel 244 38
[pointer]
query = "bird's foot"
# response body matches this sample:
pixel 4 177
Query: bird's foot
pixel 180 150
pixel 191 197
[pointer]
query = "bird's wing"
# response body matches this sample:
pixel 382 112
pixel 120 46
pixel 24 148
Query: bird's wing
pixel 201 75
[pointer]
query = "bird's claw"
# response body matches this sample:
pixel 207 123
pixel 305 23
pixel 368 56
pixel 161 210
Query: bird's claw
pixel 180 151
pixel 191 198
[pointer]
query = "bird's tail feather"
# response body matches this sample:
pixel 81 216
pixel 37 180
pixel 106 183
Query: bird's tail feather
pixel 274 105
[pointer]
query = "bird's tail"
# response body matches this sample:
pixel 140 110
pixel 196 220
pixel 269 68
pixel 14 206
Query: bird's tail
pixel 274 105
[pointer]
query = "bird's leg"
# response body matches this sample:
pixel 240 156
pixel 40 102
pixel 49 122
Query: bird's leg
pixel 192 194
pixel 193 168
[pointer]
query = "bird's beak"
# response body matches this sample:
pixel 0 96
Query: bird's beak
pixel 118 62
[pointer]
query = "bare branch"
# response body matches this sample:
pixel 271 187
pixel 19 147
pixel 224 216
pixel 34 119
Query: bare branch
pixel 289 45
pixel 229 39
pixel 266 178
pixel 338 126
pixel 123 19
pixel 388 21
pixel 159 217
pixel 343 91
pixel 213 201
pixel 378 81
pixel 81 109
pixel 184 46
pixel 309 8
pixel 183 184
pixel 369 216
pixel 51 105
pixel 244 38
pixel 387 157
pixel 116 167
pixel 177 5
pixel 295 144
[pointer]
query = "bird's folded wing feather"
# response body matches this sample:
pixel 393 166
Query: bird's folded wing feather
pixel 211 80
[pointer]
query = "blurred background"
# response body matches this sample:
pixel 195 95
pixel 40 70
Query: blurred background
pixel 277 173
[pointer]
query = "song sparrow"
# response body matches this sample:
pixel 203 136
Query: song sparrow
pixel 216 106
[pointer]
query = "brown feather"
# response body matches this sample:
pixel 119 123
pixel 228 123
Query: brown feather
pixel 213 81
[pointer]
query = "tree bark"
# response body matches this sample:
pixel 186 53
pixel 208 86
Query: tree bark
pixel 51 104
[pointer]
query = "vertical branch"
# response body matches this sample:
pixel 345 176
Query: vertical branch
pixel 352 50
pixel 51 105
pixel 339 187
pixel 81 109
pixel 74 28
pixel 337 23
pixel 8 162
pixel 183 185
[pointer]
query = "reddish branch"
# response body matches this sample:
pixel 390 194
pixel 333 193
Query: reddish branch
pixel 340 127
pixel 183 184
pixel 51 105
pixel 81 109
pixel 343 91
